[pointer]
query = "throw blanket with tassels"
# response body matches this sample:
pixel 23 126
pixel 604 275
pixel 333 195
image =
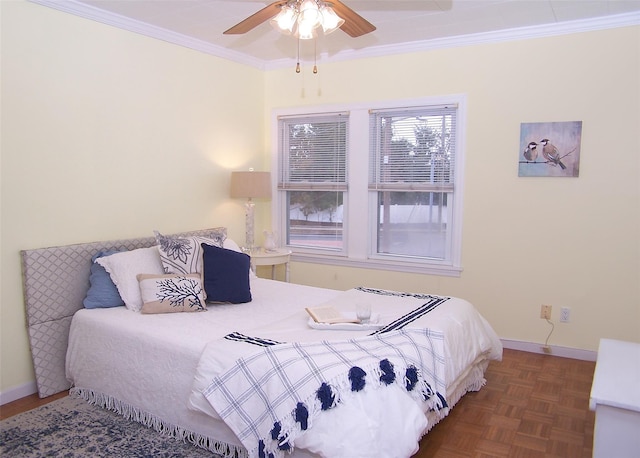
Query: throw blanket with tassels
pixel 273 395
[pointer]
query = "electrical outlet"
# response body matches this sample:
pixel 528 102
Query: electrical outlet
pixel 545 312
pixel 565 314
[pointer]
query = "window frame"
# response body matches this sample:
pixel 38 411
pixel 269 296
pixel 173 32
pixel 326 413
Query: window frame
pixel 360 203
pixel 283 187
pixel 379 184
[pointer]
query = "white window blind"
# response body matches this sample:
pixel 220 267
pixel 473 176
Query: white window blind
pixel 313 152
pixel 313 179
pixel 413 149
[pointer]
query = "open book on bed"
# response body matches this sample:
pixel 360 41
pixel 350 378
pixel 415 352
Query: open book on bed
pixel 329 315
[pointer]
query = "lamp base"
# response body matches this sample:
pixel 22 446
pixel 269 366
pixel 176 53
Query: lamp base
pixel 249 208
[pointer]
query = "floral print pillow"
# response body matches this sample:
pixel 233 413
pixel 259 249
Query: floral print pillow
pixel 183 255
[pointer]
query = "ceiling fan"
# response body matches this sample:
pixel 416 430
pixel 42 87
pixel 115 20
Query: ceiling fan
pixel 350 22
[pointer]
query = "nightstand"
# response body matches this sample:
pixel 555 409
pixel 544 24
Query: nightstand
pixel 271 258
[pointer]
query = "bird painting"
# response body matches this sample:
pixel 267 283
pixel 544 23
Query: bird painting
pixel 556 155
pixel 531 152
pixel 551 154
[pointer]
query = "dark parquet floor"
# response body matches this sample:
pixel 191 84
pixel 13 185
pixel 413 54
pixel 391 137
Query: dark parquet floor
pixel 533 406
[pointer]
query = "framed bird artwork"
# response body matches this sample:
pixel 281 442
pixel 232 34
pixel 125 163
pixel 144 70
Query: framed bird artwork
pixel 550 149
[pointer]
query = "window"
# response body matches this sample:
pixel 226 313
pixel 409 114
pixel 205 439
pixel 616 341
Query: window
pixel 313 179
pixel 411 170
pixel 373 187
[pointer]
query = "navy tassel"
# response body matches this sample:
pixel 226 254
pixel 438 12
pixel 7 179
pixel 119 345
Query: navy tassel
pixel 356 375
pixel 442 400
pixel 275 432
pixel 261 453
pixel 325 396
pixel 388 375
pixel 275 435
pixel 411 377
pixel 302 416
pixel 428 392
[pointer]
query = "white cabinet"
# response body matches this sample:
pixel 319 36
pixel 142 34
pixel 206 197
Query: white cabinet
pixel 615 397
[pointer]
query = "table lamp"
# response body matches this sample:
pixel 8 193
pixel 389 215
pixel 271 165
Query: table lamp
pixel 250 185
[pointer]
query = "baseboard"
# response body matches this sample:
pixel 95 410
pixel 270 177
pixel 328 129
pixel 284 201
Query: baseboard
pixel 554 350
pixel 18 392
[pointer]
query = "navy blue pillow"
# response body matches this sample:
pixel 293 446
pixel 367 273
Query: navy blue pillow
pixel 226 275
pixel 102 292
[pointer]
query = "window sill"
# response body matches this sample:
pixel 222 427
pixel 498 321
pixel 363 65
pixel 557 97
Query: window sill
pixel 377 264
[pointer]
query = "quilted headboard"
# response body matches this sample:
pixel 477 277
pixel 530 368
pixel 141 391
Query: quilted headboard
pixel 55 282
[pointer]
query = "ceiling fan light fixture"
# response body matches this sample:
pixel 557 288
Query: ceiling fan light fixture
pixel 285 20
pixel 301 18
pixel 282 13
pixel 308 5
pixel 309 18
pixel 330 20
pixel 306 31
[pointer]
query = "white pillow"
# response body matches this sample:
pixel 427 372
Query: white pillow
pixel 230 244
pixel 123 269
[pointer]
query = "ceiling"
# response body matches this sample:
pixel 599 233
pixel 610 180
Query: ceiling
pixel 402 25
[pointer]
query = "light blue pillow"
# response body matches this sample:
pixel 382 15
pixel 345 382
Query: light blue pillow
pixel 102 292
pixel 226 275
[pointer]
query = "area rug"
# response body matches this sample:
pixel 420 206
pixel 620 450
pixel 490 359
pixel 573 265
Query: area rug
pixel 70 427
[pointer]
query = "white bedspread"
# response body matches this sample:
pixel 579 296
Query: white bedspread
pixel 466 339
pixel 143 366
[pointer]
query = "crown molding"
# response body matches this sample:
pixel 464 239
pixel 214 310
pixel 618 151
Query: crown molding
pixel 522 33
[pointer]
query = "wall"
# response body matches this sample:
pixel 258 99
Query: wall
pixel 108 134
pixel 527 241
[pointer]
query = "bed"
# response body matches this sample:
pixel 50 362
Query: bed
pixel 258 378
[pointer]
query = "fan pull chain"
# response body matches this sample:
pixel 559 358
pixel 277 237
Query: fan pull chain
pixel 298 63
pixel 315 55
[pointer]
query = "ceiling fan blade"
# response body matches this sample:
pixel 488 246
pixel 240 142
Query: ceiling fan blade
pixel 354 24
pixel 256 19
